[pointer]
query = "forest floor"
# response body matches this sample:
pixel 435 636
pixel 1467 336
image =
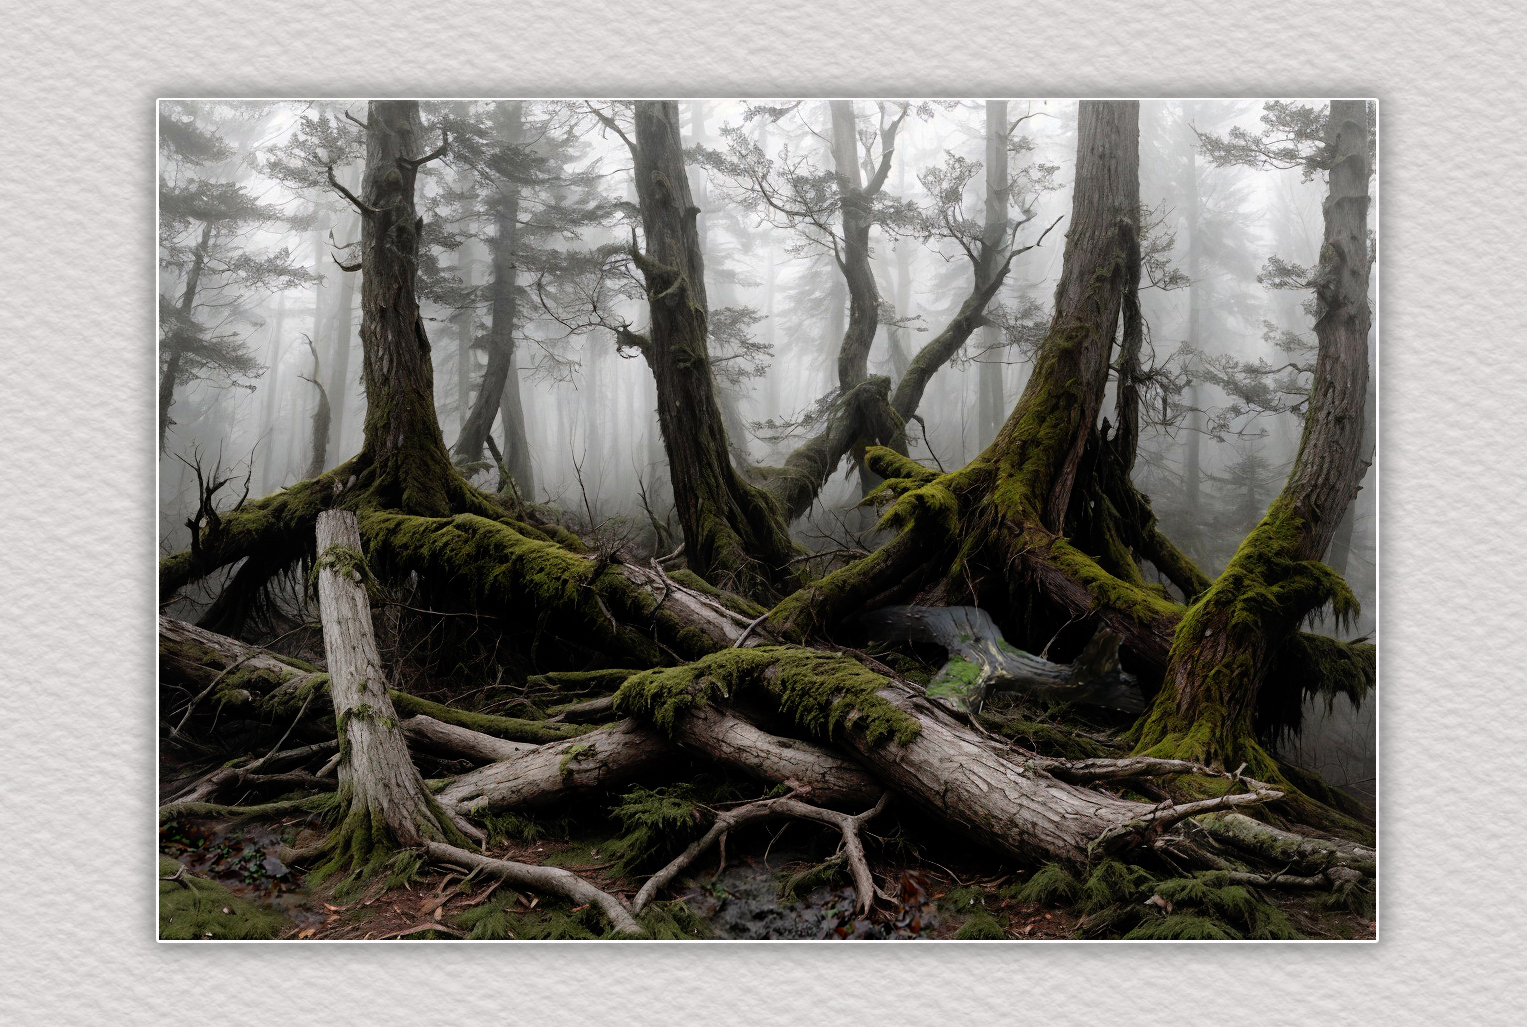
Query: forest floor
pixel 765 890
pixel 772 882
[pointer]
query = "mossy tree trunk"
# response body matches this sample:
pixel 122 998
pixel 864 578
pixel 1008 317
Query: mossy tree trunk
pixel 403 464
pixel 997 526
pixel 403 458
pixel 734 535
pixel 869 410
pixel 383 801
pixel 1225 644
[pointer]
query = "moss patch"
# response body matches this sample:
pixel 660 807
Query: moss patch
pixel 511 728
pixel 824 693
pixel 196 908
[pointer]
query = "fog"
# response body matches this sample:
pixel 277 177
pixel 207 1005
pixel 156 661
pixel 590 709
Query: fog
pixel 260 270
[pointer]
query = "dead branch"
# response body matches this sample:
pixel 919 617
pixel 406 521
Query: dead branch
pixel 552 880
pixel 765 809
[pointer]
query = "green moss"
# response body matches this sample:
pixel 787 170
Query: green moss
pixel 959 683
pixel 890 464
pixel 1142 604
pixel 1052 885
pixel 345 561
pixel 511 728
pixel 1224 643
pixel 672 920
pixel 501 569
pixel 656 825
pixel 1182 927
pixel 981 926
pixel 737 604
pixel 492 920
pixel 279 528
pixel 196 908
pixel 825 694
pixel 572 754
pixel 579 681
pixel 829 872
pixel 1113 882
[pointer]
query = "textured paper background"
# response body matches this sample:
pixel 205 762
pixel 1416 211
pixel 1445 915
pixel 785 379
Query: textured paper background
pixel 76 901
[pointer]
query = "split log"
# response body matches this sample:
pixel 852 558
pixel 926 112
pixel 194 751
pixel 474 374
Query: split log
pixel 554 772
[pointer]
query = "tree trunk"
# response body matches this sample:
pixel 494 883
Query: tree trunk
pixel 466 327
pixel 733 533
pixel 318 444
pixel 1225 643
pixel 1011 502
pixel 1199 300
pixel 854 260
pixel 341 335
pixel 172 359
pixel 992 409
pixel 382 795
pixel 271 426
pixel 402 452
pixel 499 393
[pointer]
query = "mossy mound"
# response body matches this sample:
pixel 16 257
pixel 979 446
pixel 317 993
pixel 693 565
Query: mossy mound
pixel 196 908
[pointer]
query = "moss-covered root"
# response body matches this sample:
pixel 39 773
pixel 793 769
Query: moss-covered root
pixel 196 908
pixel 1225 643
pixel 826 694
pixel 901 564
pixel 511 728
pixel 553 880
pixel 277 529
pixel 501 569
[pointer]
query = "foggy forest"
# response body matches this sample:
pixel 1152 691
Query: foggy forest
pixel 787 519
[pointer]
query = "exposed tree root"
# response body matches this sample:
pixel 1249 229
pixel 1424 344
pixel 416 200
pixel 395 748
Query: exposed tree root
pixel 552 880
pixel 765 809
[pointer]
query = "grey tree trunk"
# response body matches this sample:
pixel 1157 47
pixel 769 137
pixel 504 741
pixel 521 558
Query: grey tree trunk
pixel 1198 302
pixel 733 533
pixel 992 405
pixel 377 779
pixel 173 357
pixel 341 381
pixel 1220 659
pixel 271 431
pixel 499 393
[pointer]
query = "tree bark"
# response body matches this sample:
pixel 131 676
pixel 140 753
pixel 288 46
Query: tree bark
pixel 403 456
pixel 1224 644
pixel 499 393
pixel 378 785
pixel 172 357
pixel 733 533
pixel 854 259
